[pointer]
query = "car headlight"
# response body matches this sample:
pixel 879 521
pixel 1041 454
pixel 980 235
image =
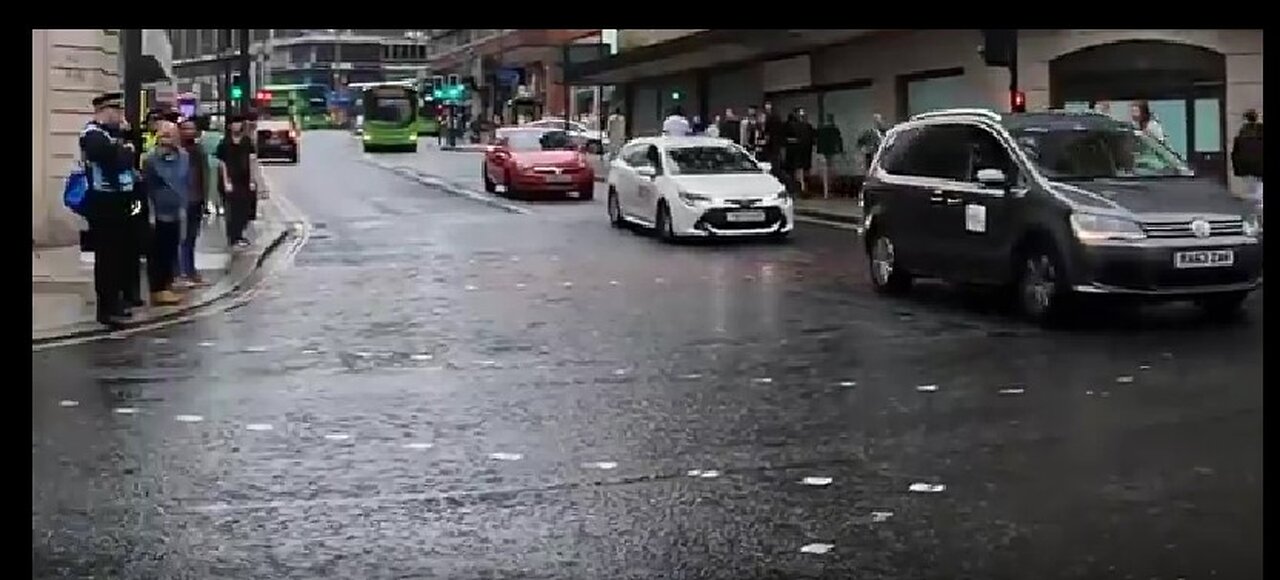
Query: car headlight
pixel 1095 228
pixel 367 136
pixel 1252 225
pixel 694 198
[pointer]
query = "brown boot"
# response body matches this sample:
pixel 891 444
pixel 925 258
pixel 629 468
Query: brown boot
pixel 165 298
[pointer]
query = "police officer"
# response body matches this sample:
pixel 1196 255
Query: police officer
pixel 112 203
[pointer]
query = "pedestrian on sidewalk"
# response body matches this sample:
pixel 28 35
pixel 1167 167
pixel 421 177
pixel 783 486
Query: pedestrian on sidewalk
pixel 775 135
pixel 751 134
pixel 713 128
pixel 800 137
pixel 109 167
pixel 676 125
pixel 731 127
pixel 188 274
pixel 236 180
pixel 1142 118
pixel 869 141
pixel 617 132
pixel 210 137
pixel 1246 154
pixel 167 171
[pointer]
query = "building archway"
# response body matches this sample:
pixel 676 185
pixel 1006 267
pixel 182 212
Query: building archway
pixel 1184 84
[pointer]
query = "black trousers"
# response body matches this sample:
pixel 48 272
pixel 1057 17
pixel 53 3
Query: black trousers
pixel 164 255
pixel 238 207
pixel 112 234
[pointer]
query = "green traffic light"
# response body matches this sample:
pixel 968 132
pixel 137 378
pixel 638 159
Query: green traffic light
pixel 236 92
pixel 675 95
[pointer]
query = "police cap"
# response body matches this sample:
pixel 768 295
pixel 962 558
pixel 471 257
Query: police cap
pixel 105 100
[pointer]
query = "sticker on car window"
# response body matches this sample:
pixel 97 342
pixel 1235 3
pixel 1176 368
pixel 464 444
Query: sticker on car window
pixel 975 218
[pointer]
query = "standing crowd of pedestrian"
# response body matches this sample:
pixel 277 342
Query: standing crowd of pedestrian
pixel 148 194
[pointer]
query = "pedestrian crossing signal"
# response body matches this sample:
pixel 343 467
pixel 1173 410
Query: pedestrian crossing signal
pixel 1018 102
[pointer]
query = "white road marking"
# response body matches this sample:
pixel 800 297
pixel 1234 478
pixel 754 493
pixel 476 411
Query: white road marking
pixel 1013 391
pixel 816 548
pixel 1124 380
pixel 660 280
pixel 469 288
pixel 125 411
pixel 568 284
pixel 613 282
pixel 601 464
pixel 619 372
pixel 691 376
pixel 519 285
pixel 848 383
pixel 68 403
pixel 188 418
pixel 420 356
pixel 762 380
pixel 1144 367
pixel 501 456
pixel 817 481
pixel 927 487
pixel 207 343
pixel 418 445
pixel 880 516
pixel 337 436
pixel 709 474
pixel 160 340
pixel 259 427
pixel 927 388
pixel 255 349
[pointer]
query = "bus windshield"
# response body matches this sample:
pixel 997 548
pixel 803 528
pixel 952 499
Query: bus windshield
pixel 384 106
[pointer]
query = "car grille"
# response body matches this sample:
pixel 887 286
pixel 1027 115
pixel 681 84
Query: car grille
pixel 717 218
pixel 557 170
pixel 1182 229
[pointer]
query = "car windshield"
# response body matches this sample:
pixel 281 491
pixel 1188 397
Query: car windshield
pixel 397 110
pixel 710 160
pixel 536 140
pixel 1097 153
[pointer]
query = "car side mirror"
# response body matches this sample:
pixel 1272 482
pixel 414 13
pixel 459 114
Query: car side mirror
pixel 992 178
pixel 646 171
pixel 765 166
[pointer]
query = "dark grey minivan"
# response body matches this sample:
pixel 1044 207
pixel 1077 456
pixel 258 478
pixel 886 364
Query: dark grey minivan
pixel 1054 205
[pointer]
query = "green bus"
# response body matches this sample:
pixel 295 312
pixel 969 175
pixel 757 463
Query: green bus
pixel 306 104
pixel 390 118
pixel 428 123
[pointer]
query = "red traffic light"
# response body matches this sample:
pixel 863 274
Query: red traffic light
pixel 264 96
pixel 1018 102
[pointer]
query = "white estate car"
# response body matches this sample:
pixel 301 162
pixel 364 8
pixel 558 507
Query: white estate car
pixel 595 142
pixel 696 186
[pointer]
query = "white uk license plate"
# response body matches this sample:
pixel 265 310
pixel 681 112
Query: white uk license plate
pixel 1204 259
pixel 559 178
pixel 745 216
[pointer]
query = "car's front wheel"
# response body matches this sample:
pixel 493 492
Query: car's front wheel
pixel 663 225
pixel 1223 306
pixel 1042 287
pixel 887 275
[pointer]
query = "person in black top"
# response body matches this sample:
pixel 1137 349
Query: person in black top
pixel 235 169
pixel 731 127
pixel 800 137
pixel 774 138
pixel 1246 154
pixel 111 205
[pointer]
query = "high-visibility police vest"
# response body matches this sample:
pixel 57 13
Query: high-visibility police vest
pixel 97 177
pixel 149 142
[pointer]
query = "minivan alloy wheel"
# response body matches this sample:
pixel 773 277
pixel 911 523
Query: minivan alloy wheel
pixel 1039 283
pixel 882 260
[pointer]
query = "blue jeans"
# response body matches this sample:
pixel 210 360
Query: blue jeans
pixel 187 248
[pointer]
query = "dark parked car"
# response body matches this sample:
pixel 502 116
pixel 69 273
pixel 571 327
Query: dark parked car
pixel 1054 205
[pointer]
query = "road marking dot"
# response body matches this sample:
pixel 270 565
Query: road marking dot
pixel 207 343
pixel 691 376
pixel 1124 380
pixel 880 516
pixel 568 284
pixel 1144 367
pixel 763 380
pixel 619 372
pixel 337 436
pixel 848 383
pixel 927 388
pixel 125 411
pixel 418 445
pixel 816 548
pixel 660 280
pixel 259 427
pixel 469 288
pixel 601 464
pixel 255 349
pixel 613 282
pixel 1013 391
pixel 500 456
pixel 520 285
pixel 68 403
pixel 420 356
pixel 188 418
pixel 709 474
pixel 159 341
pixel 817 481
pixel 927 487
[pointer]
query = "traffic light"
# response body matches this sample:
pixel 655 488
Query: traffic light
pixel 1018 102
pixel 237 88
pixel 675 95
pixel 264 96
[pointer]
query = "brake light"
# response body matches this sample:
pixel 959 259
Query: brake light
pixel 293 134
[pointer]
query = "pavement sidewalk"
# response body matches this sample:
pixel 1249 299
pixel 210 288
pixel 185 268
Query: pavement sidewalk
pixel 62 297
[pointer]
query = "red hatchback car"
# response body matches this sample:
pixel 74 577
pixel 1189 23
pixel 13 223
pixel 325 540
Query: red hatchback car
pixel 533 161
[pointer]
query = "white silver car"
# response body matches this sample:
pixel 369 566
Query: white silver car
pixel 696 187
pixel 595 142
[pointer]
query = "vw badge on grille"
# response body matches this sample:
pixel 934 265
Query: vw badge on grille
pixel 1200 228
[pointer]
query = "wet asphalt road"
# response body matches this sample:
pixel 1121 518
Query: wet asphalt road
pixel 439 389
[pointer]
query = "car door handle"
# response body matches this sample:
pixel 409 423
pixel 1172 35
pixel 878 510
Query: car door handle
pixel 937 197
